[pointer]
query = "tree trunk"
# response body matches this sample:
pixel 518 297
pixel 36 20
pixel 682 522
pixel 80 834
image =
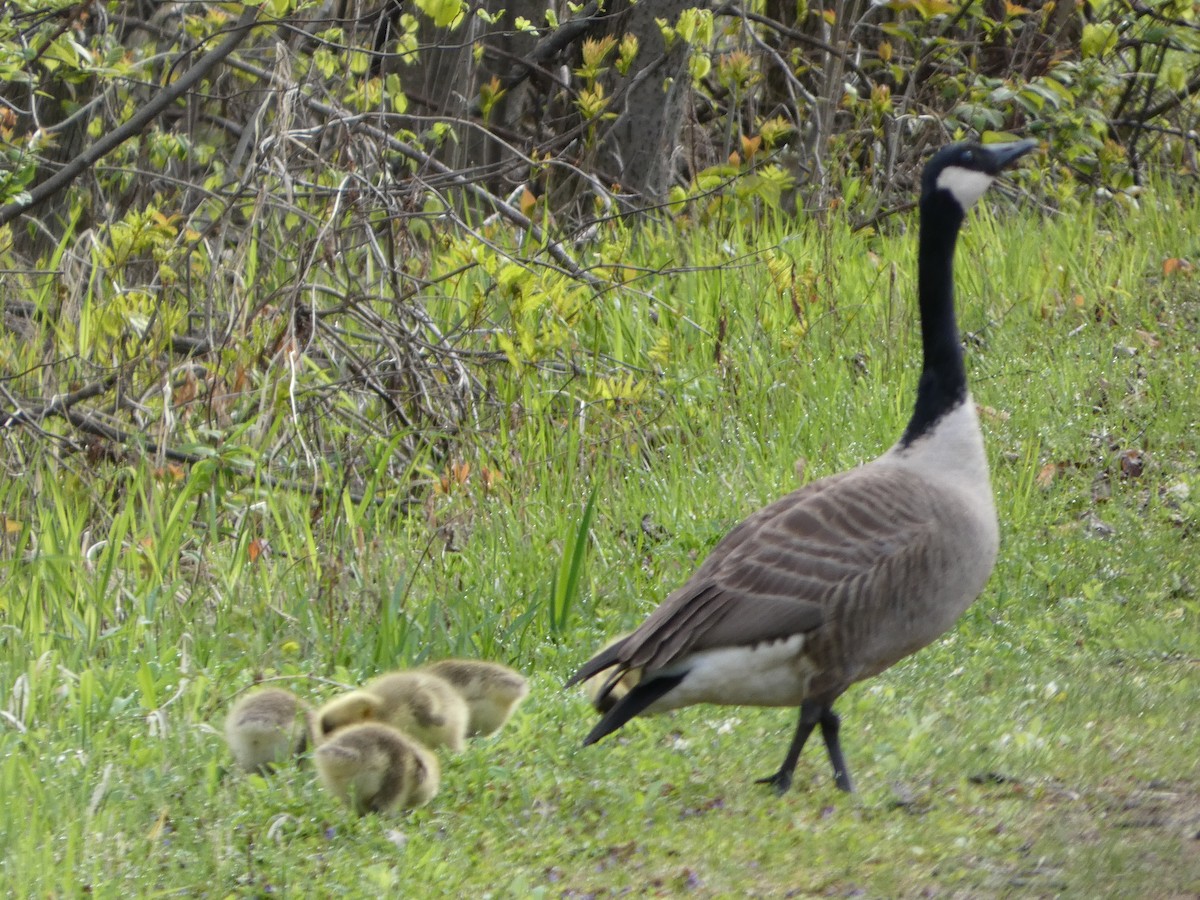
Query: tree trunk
pixel 639 151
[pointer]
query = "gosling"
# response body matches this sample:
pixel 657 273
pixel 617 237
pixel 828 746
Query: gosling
pixel 344 710
pixel 600 694
pixel 265 727
pixel 492 691
pixel 423 706
pixel 374 768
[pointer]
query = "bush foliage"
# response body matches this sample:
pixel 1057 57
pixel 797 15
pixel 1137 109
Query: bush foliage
pixel 316 246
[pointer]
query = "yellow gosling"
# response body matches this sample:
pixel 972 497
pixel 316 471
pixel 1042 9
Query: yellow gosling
pixel 350 708
pixel 604 696
pixel 265 727
pixel 492 691
pixel 375 768
pixel 423 706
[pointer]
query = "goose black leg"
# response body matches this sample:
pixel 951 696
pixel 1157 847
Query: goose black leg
pixel 830 725
pixel 810 714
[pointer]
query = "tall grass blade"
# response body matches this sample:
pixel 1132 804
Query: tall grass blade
pixel 565 588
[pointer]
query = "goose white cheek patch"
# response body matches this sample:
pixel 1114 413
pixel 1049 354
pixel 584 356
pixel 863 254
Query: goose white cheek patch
pixel 965 185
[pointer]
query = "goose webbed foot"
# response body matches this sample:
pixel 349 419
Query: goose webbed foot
pixel 780 781
pixel 813 714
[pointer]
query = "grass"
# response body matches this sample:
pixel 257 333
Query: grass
pixel 1046 747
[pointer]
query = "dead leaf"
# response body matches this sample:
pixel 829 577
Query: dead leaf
pixel 258 548
pixel 1175 266
pixel 800 466
pixel 170 472
pixel 1148 339
pixel 489 478
pixel 1132 462
pixel 240 380
pixel 1103 313
pixel 990 412
pixel 186 392
pixel 159 828
pixel 457 475
pixel 528 202
pixel 1048 473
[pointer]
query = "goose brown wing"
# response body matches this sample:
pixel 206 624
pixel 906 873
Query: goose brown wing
pixel 787 568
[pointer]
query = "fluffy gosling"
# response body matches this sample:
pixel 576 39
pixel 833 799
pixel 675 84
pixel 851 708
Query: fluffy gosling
pixel 375 768
pixel 599 694
pixel 266 726
pixel 492 691
pixel 423 706
pixel 344 710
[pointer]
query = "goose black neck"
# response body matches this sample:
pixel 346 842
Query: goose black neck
pixel 943 383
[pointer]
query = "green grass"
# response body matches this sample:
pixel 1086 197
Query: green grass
pixel 1046 747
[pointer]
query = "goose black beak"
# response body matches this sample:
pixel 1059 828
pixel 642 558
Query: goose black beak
pixel 1001 156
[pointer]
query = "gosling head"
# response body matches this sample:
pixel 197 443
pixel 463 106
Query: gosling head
pixel 344 710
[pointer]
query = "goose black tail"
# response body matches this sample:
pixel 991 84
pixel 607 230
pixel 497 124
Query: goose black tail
pixel 633 703
pixel 605 659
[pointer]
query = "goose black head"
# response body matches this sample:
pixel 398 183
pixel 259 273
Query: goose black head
pixel 962 172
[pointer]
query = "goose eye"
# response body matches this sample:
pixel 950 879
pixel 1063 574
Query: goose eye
pixel 968 157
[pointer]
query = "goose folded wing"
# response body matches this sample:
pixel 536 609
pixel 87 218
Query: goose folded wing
pixel 785 570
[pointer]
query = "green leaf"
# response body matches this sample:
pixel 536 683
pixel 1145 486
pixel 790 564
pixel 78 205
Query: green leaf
pixel 509 349
pixel 695 26
pixel 1098 39
pixel 443 12
pixel 565 587
pixel 998 137
pixel 149 690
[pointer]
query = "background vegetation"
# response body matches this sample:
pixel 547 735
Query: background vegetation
pixel 305 374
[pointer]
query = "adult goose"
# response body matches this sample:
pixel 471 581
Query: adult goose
pixel 846 576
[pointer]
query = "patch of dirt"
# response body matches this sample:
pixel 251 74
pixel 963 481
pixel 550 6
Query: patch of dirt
pixel 1146 834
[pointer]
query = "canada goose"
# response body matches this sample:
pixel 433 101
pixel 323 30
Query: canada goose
pixel 264 727
pixel 423 706
pixel 842 578
pixel 350 708
pixel 375 768
pixel 492 691
pixel 603 691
